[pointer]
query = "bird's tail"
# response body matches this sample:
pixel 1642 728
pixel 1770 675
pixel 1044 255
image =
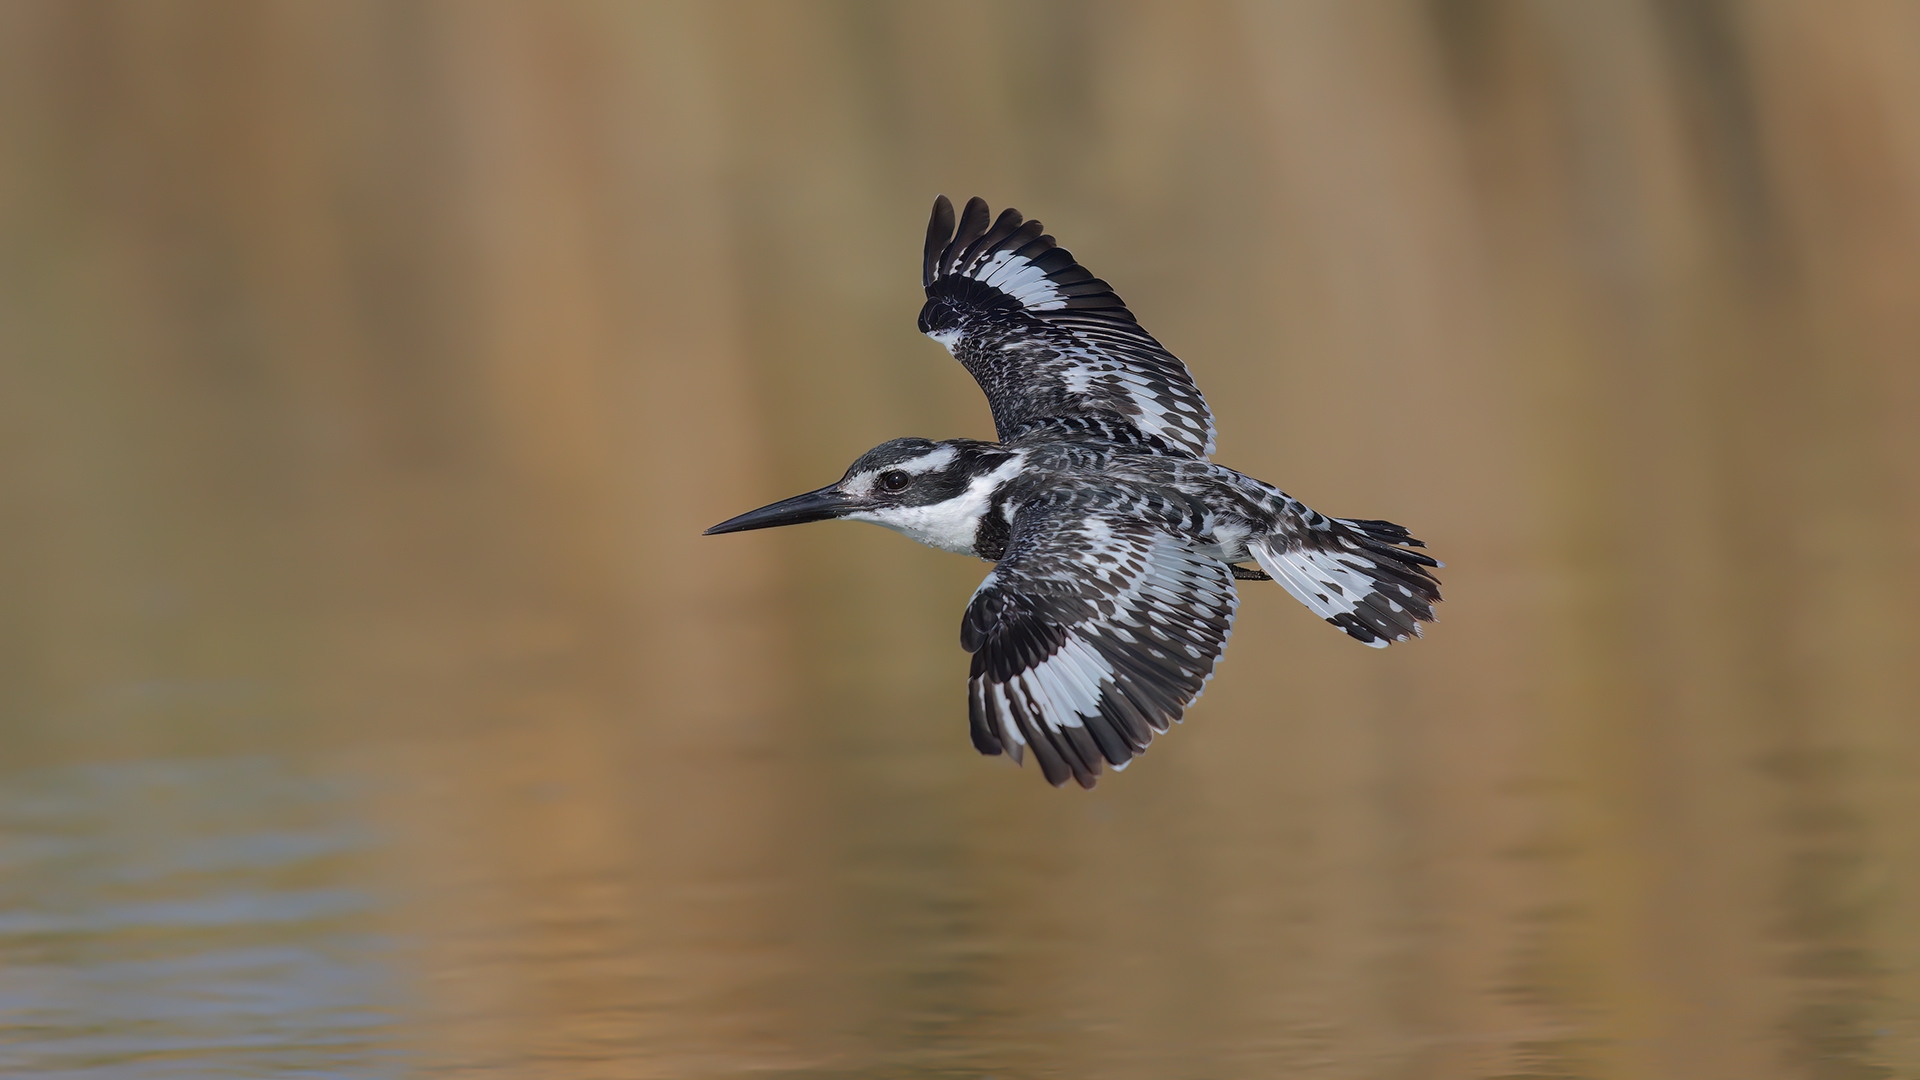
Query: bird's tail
pixel 1359 575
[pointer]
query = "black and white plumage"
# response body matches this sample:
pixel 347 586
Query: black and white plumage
pixel 1116 542
pixel 1046 339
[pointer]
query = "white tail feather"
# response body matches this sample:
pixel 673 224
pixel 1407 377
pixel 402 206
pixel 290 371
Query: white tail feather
pixel 1331 584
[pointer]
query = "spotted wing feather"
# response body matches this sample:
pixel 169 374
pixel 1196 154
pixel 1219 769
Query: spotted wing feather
pixel 1096 631
pixel 1046 340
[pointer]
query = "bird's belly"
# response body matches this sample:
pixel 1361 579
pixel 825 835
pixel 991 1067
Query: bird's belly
pixel 1229 544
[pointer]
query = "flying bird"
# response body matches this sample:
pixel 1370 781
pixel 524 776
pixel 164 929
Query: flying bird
pixel 1115 541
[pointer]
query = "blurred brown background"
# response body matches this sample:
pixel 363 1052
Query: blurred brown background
pixel 369 370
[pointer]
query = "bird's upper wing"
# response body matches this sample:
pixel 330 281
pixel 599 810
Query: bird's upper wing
pixel 1047 340
pixel 1095 631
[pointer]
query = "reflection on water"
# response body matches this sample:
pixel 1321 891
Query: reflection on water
pixel 371 705
pixel 187 918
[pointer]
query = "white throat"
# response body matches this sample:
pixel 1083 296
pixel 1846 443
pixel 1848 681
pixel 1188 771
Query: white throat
pixel 950 525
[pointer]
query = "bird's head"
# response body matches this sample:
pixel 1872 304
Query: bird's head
pixel 934 492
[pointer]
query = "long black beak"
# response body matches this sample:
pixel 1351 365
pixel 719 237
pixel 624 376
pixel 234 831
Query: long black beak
pixel 813 506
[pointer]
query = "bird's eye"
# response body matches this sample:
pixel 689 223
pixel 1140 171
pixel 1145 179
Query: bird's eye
pixel 894 480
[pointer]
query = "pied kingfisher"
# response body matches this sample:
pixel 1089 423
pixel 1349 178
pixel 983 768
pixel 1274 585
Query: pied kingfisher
pixel 1116 541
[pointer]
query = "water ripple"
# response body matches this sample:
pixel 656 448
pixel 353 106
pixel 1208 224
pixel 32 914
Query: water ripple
pixel 186 918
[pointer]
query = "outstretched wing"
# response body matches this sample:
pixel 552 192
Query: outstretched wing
pixel 1047 340
pixel 1093 633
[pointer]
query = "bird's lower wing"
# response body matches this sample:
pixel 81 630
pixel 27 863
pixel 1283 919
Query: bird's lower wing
pixel 1094 632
